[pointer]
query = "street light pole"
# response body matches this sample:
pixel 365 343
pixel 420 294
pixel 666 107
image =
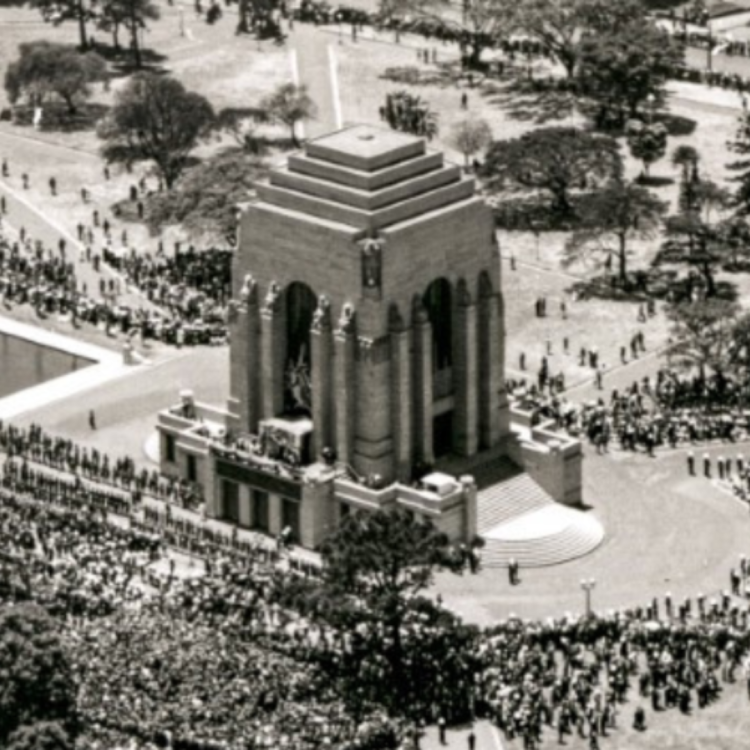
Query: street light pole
pixel 588 586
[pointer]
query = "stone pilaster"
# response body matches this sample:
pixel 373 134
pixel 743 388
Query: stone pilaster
pixel 493 420
pixel 470 507
pixel 321 337
pixel 273 349
pixel 422 384
pixel 401 406
pixel 245 358
pixel 345 368
pixel 465 371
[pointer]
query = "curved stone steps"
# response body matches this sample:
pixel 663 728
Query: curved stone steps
pixel 509 499
pixel 548 536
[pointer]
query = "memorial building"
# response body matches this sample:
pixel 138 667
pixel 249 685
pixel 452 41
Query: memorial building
pixel 367 350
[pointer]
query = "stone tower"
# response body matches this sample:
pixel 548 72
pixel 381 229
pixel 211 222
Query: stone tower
pixel 369 307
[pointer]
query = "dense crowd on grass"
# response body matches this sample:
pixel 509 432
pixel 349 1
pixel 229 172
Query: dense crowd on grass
pixel 668 410
pixel 207 662
pixel 180 314
pixel 239 651
pixel 64 455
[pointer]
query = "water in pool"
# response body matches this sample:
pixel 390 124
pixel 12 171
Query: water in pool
pixel 24 364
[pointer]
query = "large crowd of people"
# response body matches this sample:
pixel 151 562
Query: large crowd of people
pixel 222 653
pixel 669 409
pixel 208 661
pixel 181 314
pixel 64 455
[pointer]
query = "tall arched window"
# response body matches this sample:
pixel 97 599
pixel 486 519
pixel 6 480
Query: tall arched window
pixel 438 300
pixel 300 308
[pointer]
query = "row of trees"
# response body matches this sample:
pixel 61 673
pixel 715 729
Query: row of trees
pixel 112 16
pixel 133 17
pixel 154 118
pixel 611 53
pixel 581 174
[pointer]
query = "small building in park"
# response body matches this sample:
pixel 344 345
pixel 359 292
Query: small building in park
pixel 367 352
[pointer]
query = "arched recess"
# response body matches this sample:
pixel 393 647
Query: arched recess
pixel 300 303
pixel 438 301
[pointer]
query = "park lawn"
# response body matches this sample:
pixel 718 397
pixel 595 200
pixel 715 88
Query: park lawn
pixel 605 324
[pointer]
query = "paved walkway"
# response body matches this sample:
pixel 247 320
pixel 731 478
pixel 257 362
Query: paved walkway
pixel 486 737
pixel 314 66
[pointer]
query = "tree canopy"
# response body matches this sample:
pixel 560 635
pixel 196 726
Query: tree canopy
pixel 375 567
pixel 552 159
pixel 37 681
pixel 647 142
pixel 58 11
pixel 612 217
pixel 154 118
pixel 289 104
pixel 741 166
pixel 46 69
pixel 205 198
pixel 477 25
pixel 132 15
pixel 702 332
pixel 470 136
pixel 557 25
pixel 624 66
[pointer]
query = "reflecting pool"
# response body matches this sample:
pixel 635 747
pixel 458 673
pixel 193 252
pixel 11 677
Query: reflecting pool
pixel 24 364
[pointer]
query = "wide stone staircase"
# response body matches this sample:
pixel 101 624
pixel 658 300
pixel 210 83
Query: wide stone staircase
pixel 519 520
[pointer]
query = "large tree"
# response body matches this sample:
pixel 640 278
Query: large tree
pixel 375 566
pixel 204 199
pixel 741 166
pixel 647 142
pixel 80 11
pixel 560 25
pixel 624 67
pixel 702 334
pixel 132 15
pixel 46 69
pixel 554 159
pixel 612 217
pixel 37 681
pixel 557 25
pixel 289 104
pixel 476 24
pixel 470 136
pixel 697 235
pixel 154 118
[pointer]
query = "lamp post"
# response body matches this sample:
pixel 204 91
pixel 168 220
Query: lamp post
pixel 588 586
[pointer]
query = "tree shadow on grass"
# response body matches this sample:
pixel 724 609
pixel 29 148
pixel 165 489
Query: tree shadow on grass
pixel 605 286
pixel 57 119
pixel 122 62
pixel 537 100
pixel 655 181
pixel 676 125
pixel 656 282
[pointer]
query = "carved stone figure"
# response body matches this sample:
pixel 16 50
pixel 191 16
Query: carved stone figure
pixel 372 253
pixel 322 316
pixel 346 321
pixel 248 290
pixel 271 303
